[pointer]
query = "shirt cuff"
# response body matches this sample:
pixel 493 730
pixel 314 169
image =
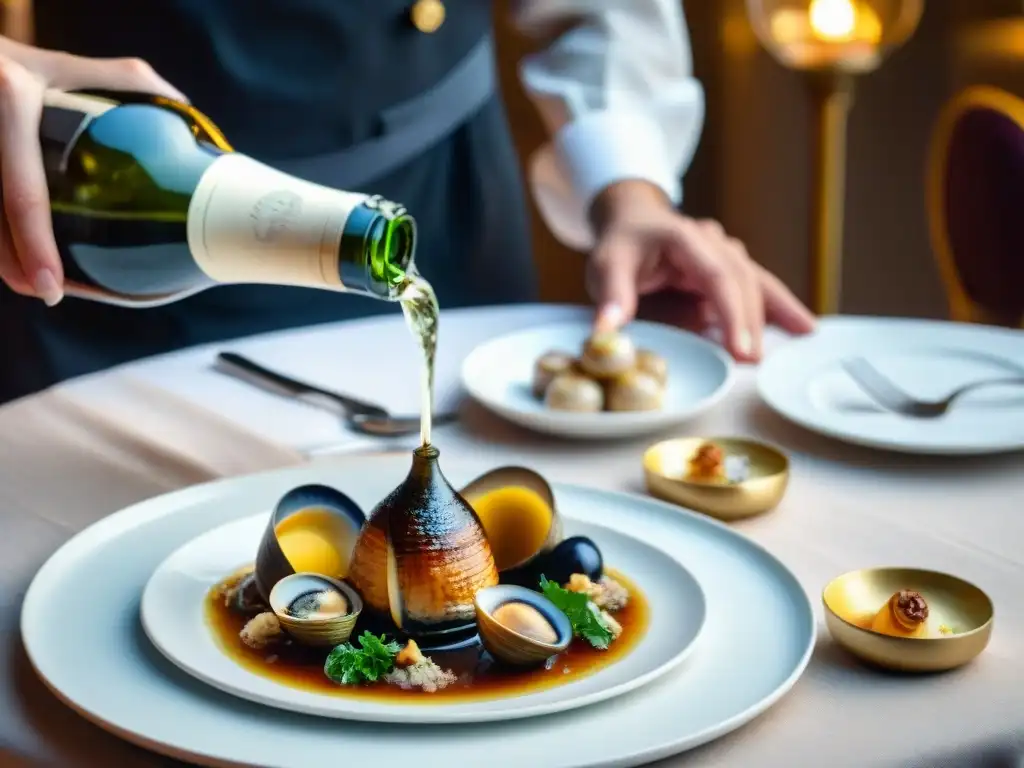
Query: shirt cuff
pixel 589 154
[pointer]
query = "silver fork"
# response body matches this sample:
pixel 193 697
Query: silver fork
pixel 894 399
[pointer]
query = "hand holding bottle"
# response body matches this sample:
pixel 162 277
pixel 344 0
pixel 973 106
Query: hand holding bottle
pixel 29 262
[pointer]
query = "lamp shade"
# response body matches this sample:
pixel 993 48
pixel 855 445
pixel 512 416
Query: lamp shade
pixel 845 35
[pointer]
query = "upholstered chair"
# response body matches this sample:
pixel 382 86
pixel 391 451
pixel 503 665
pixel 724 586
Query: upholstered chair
pixel 975 200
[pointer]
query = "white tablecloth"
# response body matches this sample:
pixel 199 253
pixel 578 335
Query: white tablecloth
pixel 85 449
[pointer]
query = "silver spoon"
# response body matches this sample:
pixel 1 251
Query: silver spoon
pixel 360 415
pixel 886 394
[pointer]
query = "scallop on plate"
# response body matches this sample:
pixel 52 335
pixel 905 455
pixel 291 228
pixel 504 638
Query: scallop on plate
pixel 562 380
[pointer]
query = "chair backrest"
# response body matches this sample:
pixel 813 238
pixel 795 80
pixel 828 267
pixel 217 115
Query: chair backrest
pixel 975 201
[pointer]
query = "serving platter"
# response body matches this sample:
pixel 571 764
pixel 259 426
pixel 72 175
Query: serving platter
pixel 173 619
pixel 744 662
pixel 498 375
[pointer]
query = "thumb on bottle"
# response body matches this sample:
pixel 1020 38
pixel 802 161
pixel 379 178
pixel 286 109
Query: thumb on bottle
pixel 614 285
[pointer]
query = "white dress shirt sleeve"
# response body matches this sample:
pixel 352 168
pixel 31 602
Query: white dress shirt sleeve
pixel 617 94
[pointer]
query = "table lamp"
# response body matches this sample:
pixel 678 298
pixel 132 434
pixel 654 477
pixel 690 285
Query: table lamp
pixel 832 41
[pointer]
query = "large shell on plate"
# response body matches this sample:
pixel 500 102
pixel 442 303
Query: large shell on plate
pixel 313 529
pixel 423 555
pixel 517 510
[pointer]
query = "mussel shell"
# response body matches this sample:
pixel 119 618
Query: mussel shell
pixel 514 477
pixel 271 563
pixel 508 646
pixel 577 554
pixel 247 598
pixel 423 555
pixel 321 632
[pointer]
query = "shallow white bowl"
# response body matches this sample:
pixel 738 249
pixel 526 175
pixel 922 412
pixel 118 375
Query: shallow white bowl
pixel 174 620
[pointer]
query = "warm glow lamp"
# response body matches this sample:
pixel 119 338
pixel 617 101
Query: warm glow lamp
pixel 832 41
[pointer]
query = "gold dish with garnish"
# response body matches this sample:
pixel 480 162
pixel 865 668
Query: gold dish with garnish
pixel 725 477
pixel 437 594
pixel 908 619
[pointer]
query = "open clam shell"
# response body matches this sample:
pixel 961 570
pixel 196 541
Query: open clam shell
pixel 319 625
pixel 504 642
pixel 313 529
pixel 517 510
pixel 423 555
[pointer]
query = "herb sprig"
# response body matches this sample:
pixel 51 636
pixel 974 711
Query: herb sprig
pixel 583 615
pixel 349 665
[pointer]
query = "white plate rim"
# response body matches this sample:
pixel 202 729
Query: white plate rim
pixel 152 509
pixel 433 715
pixel 612 423
pixel 768 390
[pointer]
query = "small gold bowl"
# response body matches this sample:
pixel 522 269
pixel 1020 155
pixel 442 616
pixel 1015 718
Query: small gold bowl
pixel 322 631
pixel 954 606
pixel 666 465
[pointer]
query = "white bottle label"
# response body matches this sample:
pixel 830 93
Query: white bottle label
pixel 250 223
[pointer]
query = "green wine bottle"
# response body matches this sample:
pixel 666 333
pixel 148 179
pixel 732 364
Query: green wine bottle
pixel 150 204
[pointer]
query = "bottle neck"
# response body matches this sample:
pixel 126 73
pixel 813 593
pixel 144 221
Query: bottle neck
pixel 377 248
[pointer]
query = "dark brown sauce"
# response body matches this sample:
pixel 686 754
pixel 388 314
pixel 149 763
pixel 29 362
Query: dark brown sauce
pixel 479 676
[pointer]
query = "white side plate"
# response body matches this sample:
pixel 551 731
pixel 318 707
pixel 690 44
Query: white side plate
pixel 804 381
pixel 498 374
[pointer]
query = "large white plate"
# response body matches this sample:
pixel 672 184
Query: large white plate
pixel 498 375
pixel 804 381
pixel 173 618
pixel 746 660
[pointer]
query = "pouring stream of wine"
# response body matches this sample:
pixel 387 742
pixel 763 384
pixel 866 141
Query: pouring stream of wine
pixel 419 305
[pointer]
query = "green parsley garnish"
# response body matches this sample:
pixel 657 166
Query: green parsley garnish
pixel 583 615
pixel 349 665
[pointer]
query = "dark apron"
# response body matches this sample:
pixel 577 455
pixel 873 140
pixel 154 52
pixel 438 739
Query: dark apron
pixel 443 149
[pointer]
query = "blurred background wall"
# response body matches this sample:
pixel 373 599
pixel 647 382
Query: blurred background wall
pixel 751 170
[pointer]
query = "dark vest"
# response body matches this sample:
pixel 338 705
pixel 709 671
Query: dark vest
pixel 288 80
pixel 281 78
